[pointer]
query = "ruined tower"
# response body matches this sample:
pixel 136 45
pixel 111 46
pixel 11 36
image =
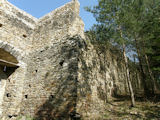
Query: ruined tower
pixel 48 70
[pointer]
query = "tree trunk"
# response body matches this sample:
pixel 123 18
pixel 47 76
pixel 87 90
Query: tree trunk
pixel 143 76
pixel 151 75
pixel 128 77
pixel 153 82
pixel 137 75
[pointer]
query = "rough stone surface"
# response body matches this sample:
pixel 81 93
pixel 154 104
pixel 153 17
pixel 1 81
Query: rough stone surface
pixel 101 76
pixel 48 70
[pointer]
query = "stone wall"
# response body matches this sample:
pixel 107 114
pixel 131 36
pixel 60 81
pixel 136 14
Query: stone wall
pixel 16 26
pixel 101 76
pixel 43 84
pixel 60 23
pixel 3 77
pixel 51 79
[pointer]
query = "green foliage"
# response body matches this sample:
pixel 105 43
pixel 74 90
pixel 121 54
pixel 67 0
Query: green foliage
pixel 114 21
pixel 124 21
pixel 100 34
pixel 151 34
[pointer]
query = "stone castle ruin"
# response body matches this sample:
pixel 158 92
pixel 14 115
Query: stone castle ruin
pixel 49 71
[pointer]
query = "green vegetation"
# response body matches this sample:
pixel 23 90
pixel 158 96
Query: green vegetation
pixel 25 118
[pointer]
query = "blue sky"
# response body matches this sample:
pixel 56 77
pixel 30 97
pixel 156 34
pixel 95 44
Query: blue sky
pixel 39 8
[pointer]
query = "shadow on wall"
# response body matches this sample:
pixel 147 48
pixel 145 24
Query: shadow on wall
pixel 5 71
pixel 62 104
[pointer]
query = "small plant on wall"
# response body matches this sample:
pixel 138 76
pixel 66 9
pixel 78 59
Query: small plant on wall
pixel 25 118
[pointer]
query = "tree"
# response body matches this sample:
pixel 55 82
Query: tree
pixel 110 14
pixel 143 11
pixel 134 25
pixel 151 32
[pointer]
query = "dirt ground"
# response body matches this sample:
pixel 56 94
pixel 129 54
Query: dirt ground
pixel 145 109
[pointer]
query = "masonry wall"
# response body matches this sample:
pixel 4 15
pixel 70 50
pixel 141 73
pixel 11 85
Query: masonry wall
pixel 58 24
pixel 50 83
pixel 44 86
pixel 101 76
pixel 3 77
pixel 16 26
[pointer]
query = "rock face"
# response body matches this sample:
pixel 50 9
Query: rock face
pixel 49 71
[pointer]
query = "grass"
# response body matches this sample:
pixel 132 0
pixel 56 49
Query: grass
pixel 25 118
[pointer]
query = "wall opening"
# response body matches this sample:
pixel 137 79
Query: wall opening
pixel 24 35
pixel 61 63
pixel 26 96
pixel 8 65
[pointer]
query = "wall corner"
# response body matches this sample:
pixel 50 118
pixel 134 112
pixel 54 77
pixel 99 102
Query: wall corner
pixel 76 6
pixel 77 26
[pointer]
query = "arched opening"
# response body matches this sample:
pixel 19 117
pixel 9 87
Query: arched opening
pixel 8 65
pixel 6 59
